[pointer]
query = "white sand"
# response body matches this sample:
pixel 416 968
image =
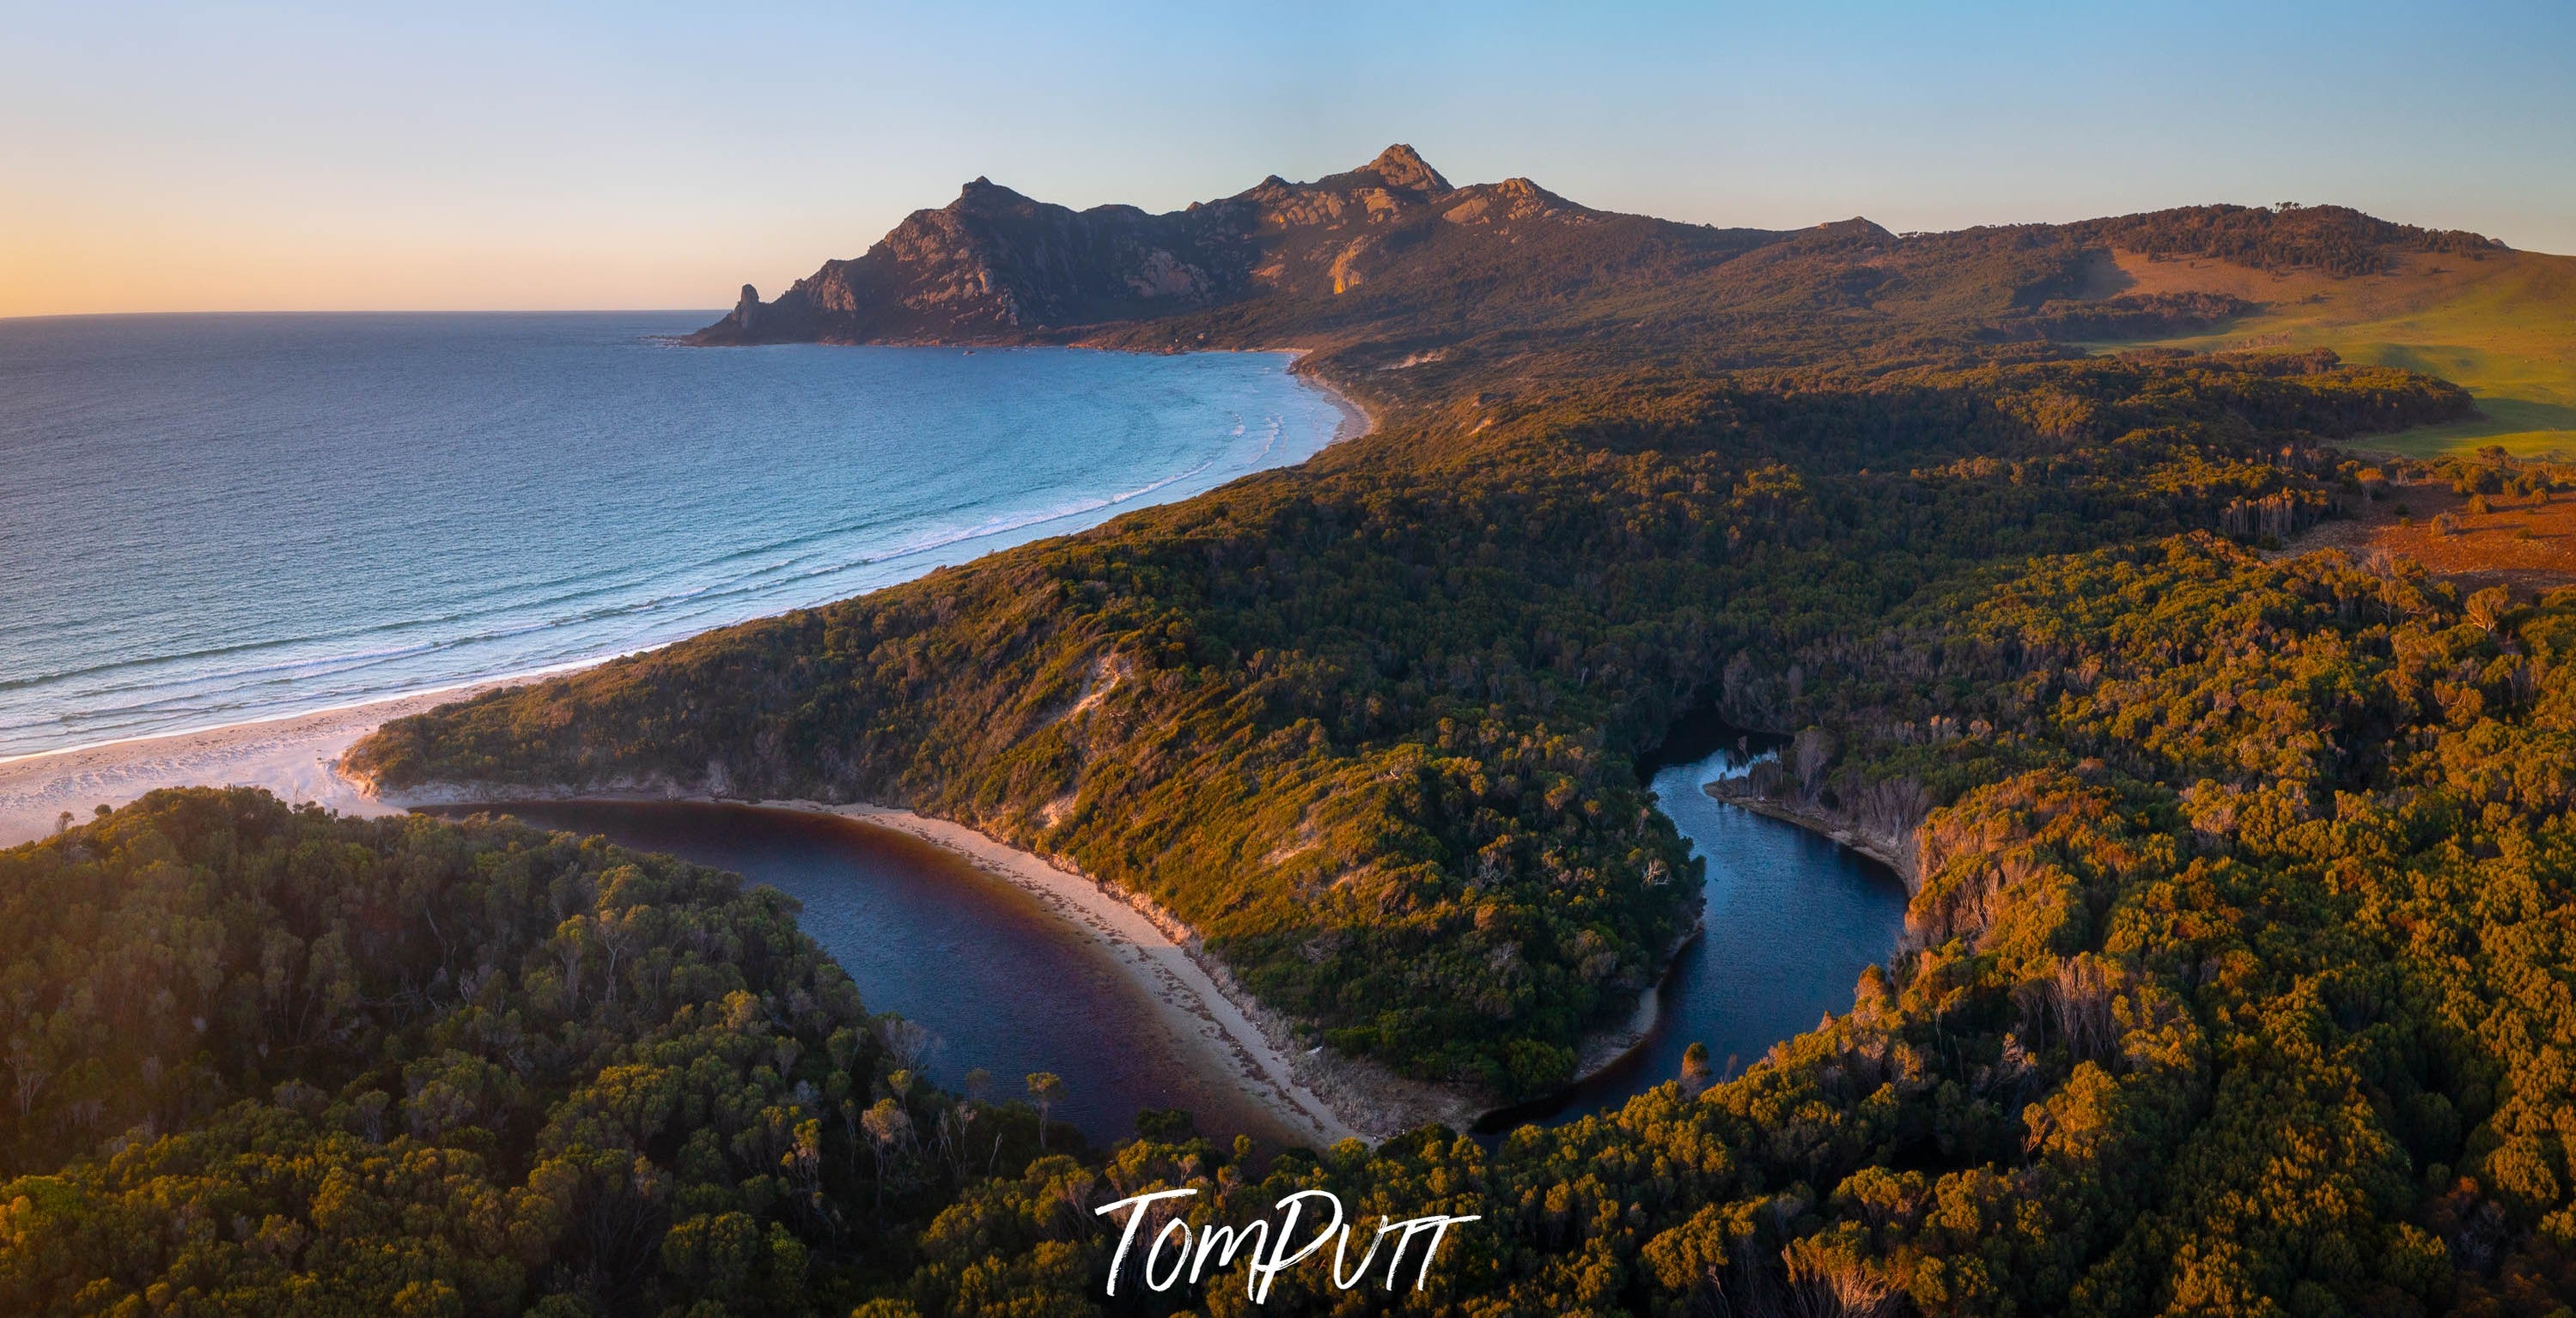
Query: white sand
pixel 1333 1097
pixel 295 757
pixel 1190 1001
pixel 1204 1016
pixel 291 757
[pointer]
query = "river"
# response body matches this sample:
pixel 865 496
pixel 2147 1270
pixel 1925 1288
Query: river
pixel 1003 985
pixel 1792 918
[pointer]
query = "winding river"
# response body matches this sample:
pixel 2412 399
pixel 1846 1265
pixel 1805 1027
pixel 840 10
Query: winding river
pixel 1792 919
pixel 1006 986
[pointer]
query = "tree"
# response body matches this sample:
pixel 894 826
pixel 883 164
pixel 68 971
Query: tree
pixel 1046 1089
pixel 1810 754
pixel 1695 1070
pixel 889 1128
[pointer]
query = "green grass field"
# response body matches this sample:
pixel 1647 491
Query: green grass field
pixel 2503 327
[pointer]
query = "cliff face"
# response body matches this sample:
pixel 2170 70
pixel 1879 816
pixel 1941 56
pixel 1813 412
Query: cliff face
pixel 995 266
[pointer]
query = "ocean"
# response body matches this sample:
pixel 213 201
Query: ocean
pixel 206 520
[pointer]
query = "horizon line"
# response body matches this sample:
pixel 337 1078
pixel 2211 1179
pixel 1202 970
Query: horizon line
pixel 370 311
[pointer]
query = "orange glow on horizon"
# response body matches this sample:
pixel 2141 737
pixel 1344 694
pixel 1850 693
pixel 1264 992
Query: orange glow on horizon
pixel 135 264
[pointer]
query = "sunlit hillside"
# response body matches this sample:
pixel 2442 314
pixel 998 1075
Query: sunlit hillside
pixel 2502 325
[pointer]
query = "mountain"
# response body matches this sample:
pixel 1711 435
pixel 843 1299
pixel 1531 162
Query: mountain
pixel 2234 977
pixel 1368 725
pixel 1389 268
pixel 996 266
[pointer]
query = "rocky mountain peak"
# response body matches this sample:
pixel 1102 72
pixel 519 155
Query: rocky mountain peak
pixel 1400 166
pixel 985 192
pixel 995 265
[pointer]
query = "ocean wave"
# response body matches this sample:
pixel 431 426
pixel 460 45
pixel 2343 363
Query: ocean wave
pixel 375 572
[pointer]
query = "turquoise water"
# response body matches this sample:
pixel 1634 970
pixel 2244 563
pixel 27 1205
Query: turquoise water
pixel 210 519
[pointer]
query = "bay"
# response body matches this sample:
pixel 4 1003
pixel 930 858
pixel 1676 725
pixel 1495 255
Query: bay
pixel 210 519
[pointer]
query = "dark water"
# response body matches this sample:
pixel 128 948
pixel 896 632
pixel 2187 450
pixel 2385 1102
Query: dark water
pixel 1000 982
pixel 1792 920
pixel 210 519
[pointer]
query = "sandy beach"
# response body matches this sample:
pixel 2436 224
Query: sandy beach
pixel 1233 1037
pixel 294 758
pixel 1356 420
pixel 1192 1004
pixel 291 757
pixel 1325 1097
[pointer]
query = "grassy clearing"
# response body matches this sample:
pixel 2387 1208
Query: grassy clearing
pixel 2503 327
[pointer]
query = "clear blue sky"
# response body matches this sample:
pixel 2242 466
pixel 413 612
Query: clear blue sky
pixel 624 155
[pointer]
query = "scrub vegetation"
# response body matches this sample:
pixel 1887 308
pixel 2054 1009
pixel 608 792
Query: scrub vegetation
pixel 2235 980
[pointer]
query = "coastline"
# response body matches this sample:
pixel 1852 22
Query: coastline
pixel 297 759
pixel 1171 973
pixel 294 756
pixel 1357 421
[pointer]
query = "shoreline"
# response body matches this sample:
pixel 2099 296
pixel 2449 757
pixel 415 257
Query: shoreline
pixel 135 762
pixel 1603 1050
pixel 459 690
pixel 294 756
pixel 1196 998
pixel 1171 973
pixel 1829 828
pixel 1357 421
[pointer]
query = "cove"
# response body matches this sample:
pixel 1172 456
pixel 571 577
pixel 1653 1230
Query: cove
pixel 1792 918
pixel 1000 982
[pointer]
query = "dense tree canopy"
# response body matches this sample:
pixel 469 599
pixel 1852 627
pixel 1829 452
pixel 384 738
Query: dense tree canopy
pixel 1370 727
pixel 2236 979
pixel 267 1061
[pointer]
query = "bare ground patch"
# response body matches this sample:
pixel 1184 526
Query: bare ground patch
pixel 2519 542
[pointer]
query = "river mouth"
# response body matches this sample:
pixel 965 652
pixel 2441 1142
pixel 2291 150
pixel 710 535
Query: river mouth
pixel 1001 983
pixel 1791 919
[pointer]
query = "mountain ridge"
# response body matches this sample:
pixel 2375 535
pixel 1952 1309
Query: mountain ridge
pixel 2217 847
pixel 1401 284
pixel 997 266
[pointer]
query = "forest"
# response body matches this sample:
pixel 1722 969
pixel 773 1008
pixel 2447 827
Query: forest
pixel 2236 980
pixel 1372 731
pixel 266 1060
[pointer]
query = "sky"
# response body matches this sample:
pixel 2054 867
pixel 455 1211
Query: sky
pixel 631 155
